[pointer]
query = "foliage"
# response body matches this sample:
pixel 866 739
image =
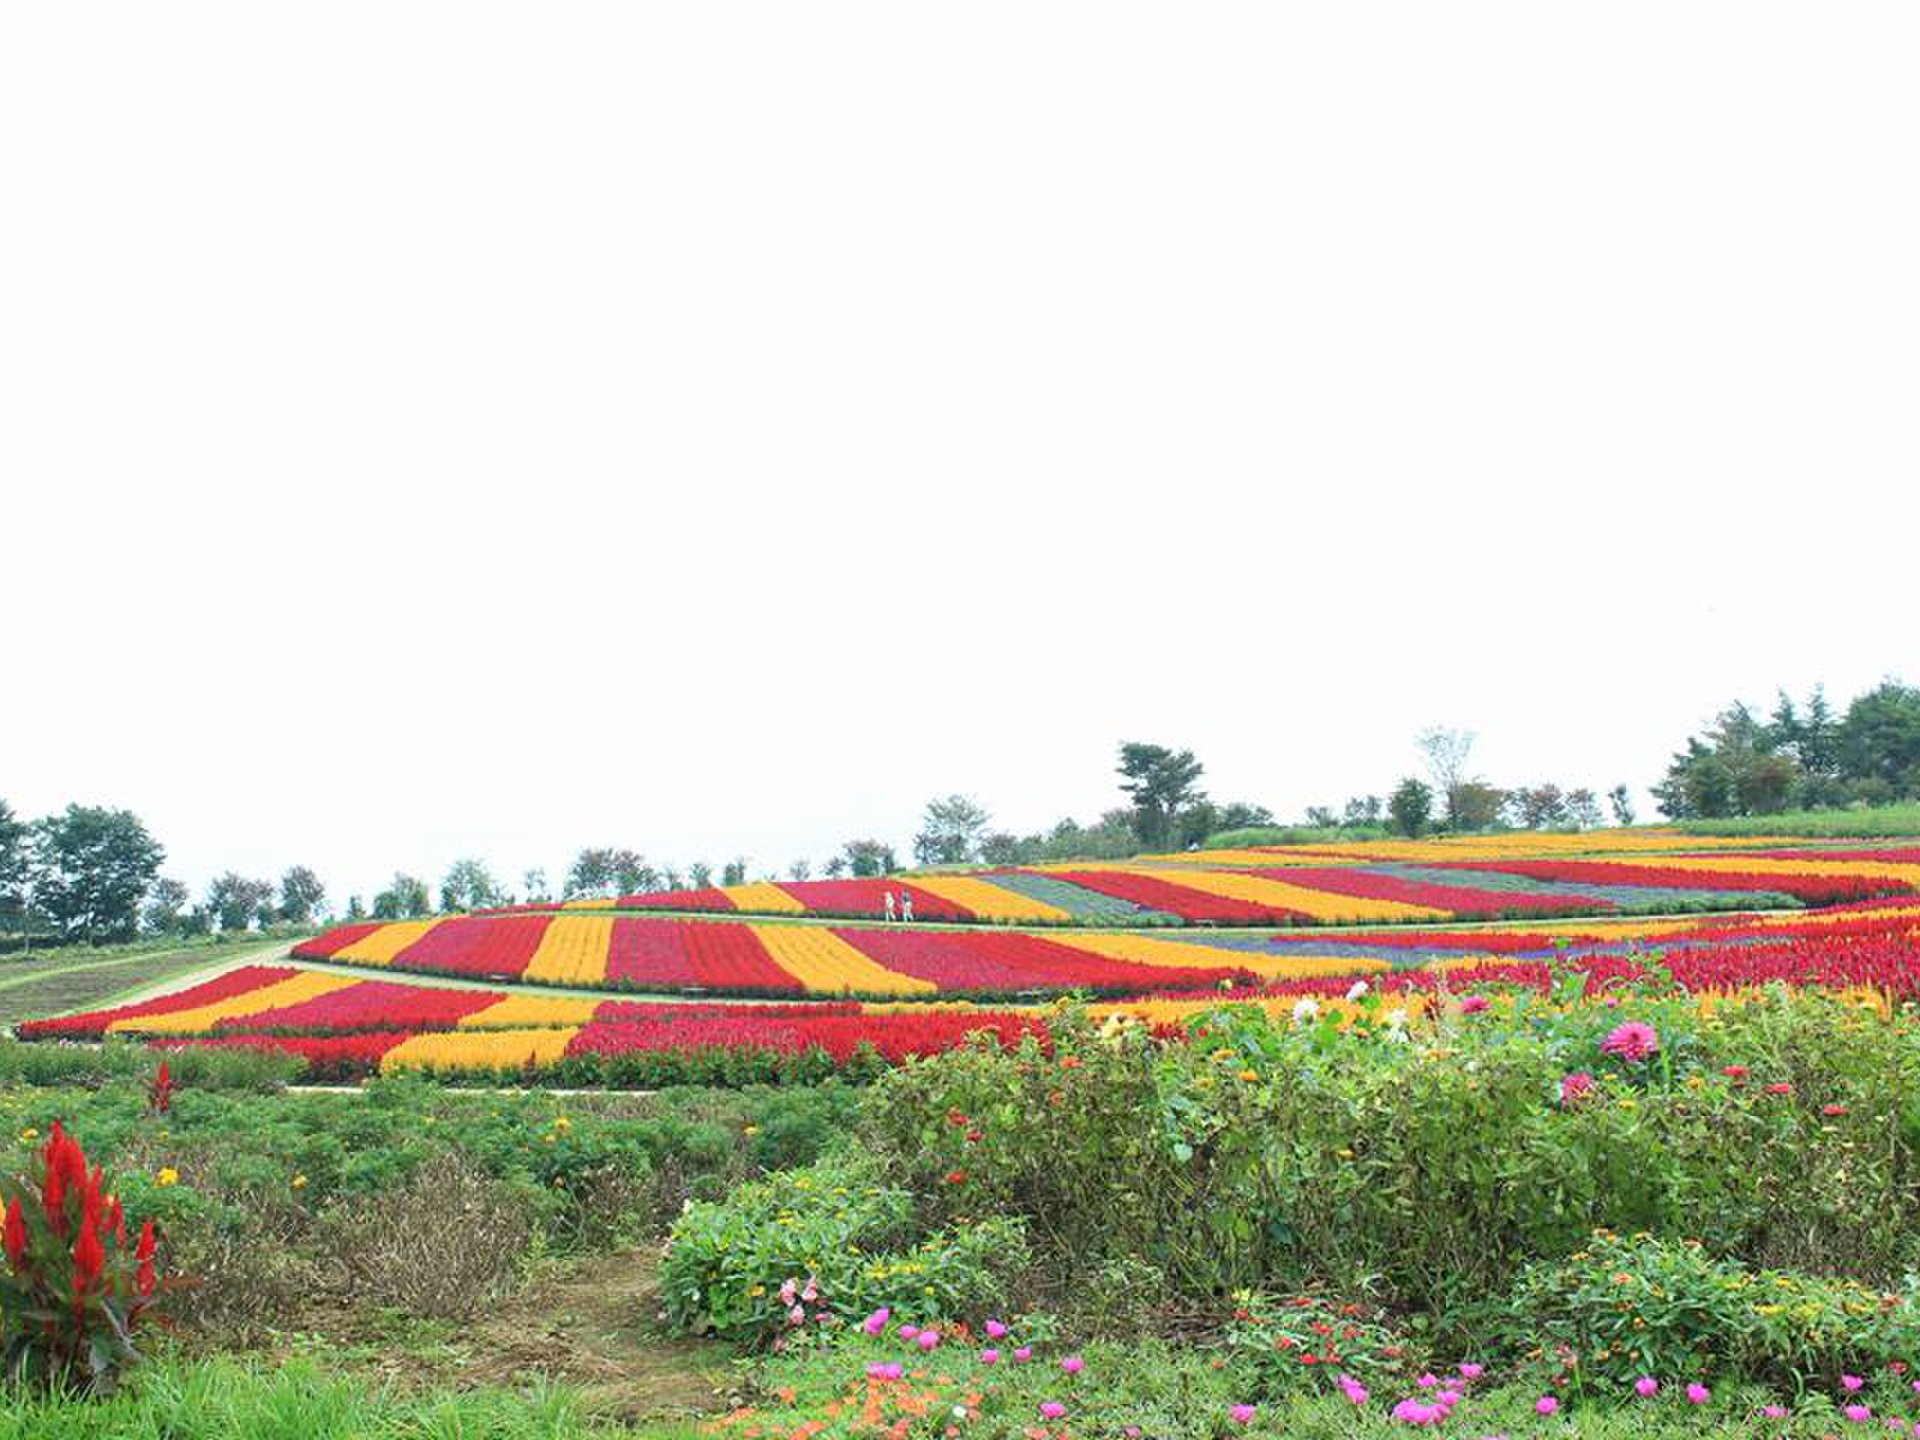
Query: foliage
pixel 405 898
pixel 1633 1306
pixel 1410 808
pixel 75 1289
pixel 469 885
pixel 234 900
pixel 89 869
pixel 1161 783
pixel 867 859
pixel 820 1246
pixel 950 832
pixel 301 895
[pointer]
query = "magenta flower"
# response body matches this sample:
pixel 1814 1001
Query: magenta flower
pixel 1634 1041
pixel 1646 1387
pixel 907 1332
pixel 1051 1409
pixel 1417 1412
pixel 877 1321
pixel 1242 1414
pixel 1447 1399
pixel 1545 1405
pixel 1473 1004
pixel 1858 1414
pixel 1353 1390
pixel 1851 1383
pixel 989 1356
pixel 1073 1364
pixel 1428 1381
pixel 1774 1412
pixel 1471 1371
pixel 929 1339
pixel 1574 1088
pixel 1023 1354
pixel 995 1330
pixel 1698 1394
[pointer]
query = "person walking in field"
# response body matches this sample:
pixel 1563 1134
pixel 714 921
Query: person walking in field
pixel 906 907
pixel 887 895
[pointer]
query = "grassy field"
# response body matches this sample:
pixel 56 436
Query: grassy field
pixel 1874 823
pixel 52 982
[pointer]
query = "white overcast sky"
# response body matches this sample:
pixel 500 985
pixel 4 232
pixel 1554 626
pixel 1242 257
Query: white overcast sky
pixel 715 428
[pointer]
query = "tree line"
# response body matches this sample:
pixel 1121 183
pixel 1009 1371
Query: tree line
pixel 92 874
pixel 1802 756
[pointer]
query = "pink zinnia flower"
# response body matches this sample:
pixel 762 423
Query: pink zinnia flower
pixel 1415 1412
pixel 1353 1390
pixel 1634 1041
pixel 995 1330
pixel 1428 1381
pixel 1242 1414
pixel 1858 1414
pixel 1575 1087
pixel 1471 1371
pixel 1774 1412
pixel 989 1357
pixel 907 1332
pixel 1447 1399
pixel 929 1339
pixel 1545 1405
pixel 1073 1364
pixel 1024 1353
pixel 1646 1387
pixel 1052 1409
pixel 877 1321
pixel 1851 1383
pixel 1698 1394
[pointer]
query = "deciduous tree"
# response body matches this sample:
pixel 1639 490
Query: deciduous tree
pixel 90 869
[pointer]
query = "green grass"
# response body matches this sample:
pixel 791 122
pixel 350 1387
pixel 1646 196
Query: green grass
pixel 1877 822
pixel 54 982
pixel 227 1399
pixel 1294 835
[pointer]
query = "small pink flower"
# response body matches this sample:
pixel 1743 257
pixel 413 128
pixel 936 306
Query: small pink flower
pixel 1545 1405
pixel 989 1357
pixel 1646 1387
pixel 1415 1412
pixel 1023 1354
pixel 877 1321
pixel 1242 1414
pixel 1447 1399
pixel 929 1340
pixel 1633 1042
pixel 1858 1414
pixel 1427 1382
pixel 1774 1412
pixel 995 1330
pixel 1698 1394
pixel 1471 1371
pixel 1073 1364
pixel 907 1332
pixel 1051 1409
pixel 1575 1088
pixel 1473 1004
pixel 1851 1383
pixel 797 1315
pixel 1353 1390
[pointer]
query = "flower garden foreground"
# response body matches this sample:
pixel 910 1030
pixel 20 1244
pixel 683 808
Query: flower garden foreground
pixel 1596 1177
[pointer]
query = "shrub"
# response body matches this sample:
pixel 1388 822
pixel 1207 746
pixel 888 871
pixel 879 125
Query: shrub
pixel 438 1244
pixel 74 1289
pixel 1632 1306
pixel 834 1230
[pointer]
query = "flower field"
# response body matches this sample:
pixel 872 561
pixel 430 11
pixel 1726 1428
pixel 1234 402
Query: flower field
pixel 346 1026
pixel 1523 876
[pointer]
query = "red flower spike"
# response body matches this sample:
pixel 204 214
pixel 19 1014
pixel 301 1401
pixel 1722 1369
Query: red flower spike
pixel 15 1234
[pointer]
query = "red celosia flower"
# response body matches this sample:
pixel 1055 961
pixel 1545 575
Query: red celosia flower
pixel 1833 1109
pixel 1735 1072
pixel 88 1257
pixel 143 1279
pixel 15 1231
pixel 1783 1088
pixel 956 1177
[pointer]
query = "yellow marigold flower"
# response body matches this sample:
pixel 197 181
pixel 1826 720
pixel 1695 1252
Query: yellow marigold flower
pixel 299 1182
pixel 167 1175
pixel 29 1135
pixel 562 1123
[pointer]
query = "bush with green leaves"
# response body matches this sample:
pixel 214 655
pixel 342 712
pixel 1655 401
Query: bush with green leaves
pixel 1424 1161
pixel 1628 1306
pixel 821 1245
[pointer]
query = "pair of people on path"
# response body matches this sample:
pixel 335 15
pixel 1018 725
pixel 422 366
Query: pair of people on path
pixel 906 906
